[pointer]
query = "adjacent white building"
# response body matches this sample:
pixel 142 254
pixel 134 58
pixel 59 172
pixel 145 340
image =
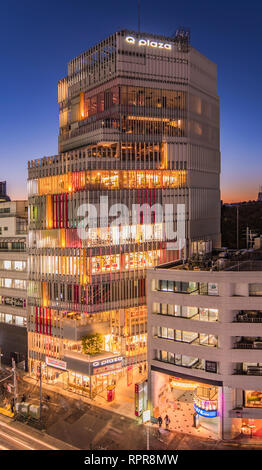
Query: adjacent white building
pixel 205 344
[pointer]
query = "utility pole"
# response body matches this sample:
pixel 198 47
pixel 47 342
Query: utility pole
pixel 15 380
pixel 138 15
pixel 147 438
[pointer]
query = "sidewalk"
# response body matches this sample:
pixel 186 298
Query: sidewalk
pixel 123 403
pixel 103 420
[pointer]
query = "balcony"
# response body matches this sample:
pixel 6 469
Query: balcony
pixel 92 365
pixel 76 329
pixel 182 361
pixel 246 343
pixel 250 370
pixel 249 316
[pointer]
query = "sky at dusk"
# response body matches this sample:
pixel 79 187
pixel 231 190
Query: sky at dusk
pixel 37 39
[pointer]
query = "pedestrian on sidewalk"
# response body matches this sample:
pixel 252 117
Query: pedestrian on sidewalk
pixel 167 421
pixel 12 405
pixel 160 421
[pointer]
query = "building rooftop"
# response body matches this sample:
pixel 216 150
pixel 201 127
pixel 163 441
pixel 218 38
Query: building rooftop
pixel 228 260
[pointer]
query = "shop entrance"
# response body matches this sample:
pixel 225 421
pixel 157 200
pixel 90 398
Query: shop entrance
pixel 192 407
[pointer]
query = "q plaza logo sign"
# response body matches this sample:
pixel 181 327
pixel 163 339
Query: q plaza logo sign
pixel 148 43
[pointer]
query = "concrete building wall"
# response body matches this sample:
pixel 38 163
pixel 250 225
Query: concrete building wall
pixel 232 297
pixel 13 281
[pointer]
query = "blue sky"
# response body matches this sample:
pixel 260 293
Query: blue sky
pixel 37 39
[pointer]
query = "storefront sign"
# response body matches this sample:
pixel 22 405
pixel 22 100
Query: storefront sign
pixel 51 362
pixel 206 413
pixel 180 385
pixel 147 42
pixel 129 375
pixel 9 388
pixel 105 362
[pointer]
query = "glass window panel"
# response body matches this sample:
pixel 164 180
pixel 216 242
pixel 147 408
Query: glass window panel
pixel 171 357
pixel 178 335
pixel 164 356
pixel 203 314
pixel 178 359
pixel 170 333
pixel 170 286
pixel 170 309
pixel 164 309
pixel 189 336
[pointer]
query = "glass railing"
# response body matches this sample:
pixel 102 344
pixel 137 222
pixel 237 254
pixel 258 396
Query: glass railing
pixel 250 370
pixel 249 317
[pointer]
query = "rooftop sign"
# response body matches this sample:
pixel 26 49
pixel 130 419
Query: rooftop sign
pixel 148 43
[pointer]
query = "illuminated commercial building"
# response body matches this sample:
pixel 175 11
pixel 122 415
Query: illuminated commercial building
pixel 204 344
pixel 139 125
pixel 13 279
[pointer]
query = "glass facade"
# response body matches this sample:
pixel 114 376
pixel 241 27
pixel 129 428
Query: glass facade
pixel 122 136
pixel 189 337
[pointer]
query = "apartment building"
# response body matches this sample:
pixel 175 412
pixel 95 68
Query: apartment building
pixel 13 279
pixel 138 125
pixel 204 345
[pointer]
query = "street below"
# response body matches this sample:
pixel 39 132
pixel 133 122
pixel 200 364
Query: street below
pixel 18 436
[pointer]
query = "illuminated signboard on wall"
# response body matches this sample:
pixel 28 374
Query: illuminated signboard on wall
pixel 183 385
pixel 105 366
pixel 51 362
pixel 212 288
pixel 211 366
pixel 148 43
pixel 206 413
pixel 105 370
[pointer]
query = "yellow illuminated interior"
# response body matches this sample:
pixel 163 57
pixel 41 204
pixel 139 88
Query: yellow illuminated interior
pixel 75 181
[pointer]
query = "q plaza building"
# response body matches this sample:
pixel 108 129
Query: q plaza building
pixel 138 125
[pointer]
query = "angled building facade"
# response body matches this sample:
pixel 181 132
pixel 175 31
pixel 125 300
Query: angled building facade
pixel 13 279
pixel 139 126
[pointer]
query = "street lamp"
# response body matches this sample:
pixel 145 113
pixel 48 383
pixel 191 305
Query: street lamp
pixel 1 355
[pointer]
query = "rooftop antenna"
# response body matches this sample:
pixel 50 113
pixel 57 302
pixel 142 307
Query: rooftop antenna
pixel 138 15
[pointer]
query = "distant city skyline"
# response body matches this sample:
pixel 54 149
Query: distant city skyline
pixel 40 38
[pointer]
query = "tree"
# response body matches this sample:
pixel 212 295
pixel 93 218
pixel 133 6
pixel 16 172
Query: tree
pixel 92 344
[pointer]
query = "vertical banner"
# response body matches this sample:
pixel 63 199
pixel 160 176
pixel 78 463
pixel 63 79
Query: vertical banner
pixel 130 375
